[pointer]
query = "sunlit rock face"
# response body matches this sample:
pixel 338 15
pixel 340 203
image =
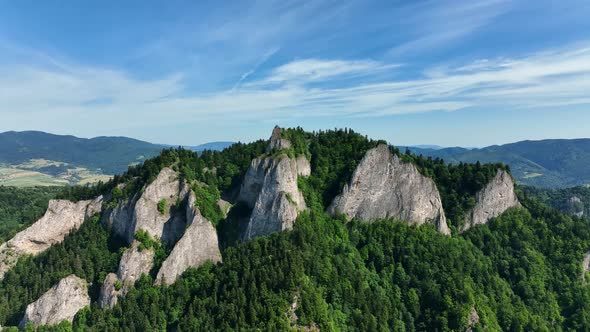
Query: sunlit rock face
pixel 61 218
pixel 59 303
pixel 493 200
pixel 270 190
pixel 383 186
pixel 198 245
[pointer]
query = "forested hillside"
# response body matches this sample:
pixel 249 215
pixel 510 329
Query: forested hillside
pixel 572 201
pixel 520 272
pixel 551 163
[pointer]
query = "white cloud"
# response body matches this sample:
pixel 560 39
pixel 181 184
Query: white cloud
pixel 35 97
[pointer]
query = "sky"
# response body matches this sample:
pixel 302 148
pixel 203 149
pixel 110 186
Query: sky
pixel 450 73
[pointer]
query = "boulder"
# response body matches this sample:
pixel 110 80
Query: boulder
pixel 61 218
pixel 383 186
pixel 60 303
pixel 493 200
pixel 198 245
pixel 585 265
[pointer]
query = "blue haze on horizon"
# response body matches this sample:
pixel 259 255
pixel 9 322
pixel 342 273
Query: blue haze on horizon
pixel 445 72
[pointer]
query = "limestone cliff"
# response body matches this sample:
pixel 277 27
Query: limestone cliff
pixel 270 190
pixel 198 245
pixel 277 142
pixel 383 186
pixel 134 262
pixel 61 218
pixel 60 303
pixel 495 198
pixel 585 265
pixel 141 211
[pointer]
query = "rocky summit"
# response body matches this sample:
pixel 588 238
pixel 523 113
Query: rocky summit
pixel 59 303
pixel 491 201
pixel 270 190
pixel 383 186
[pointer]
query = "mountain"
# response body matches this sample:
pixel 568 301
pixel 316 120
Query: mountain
pixel 216 146
pixel 552 163
pixel 32 158
pixel 306 231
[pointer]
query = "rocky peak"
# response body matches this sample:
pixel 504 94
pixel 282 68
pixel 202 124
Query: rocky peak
pixel 134 262
pixel 198 245
pixel 61 218
pixel 276 140
pixel 59 303
pixel 585 265
pixel 383 186
pixel 270 190
pixel 493 200
pixel 141 212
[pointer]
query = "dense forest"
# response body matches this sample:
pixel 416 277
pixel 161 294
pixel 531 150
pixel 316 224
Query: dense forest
pixel 574 201
pixel 20 207
pixel 521 272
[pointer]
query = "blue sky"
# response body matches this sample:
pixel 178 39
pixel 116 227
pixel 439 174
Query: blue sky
pixel 468 73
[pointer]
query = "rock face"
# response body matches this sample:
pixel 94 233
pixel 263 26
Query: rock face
pixel 383 186
pixel 60 303
pixel 472 320
pixel 134 262
pixel 495 198
pixel 61 218
pixel 574 206
pixel 276 140
pixel 585 265
pixel 198 245
pixel 141 211
pixel 270 189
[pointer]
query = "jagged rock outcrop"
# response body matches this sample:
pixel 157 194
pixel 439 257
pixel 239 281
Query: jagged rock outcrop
pixel 277 142
pixel 383 186
pixel 134 262
pixel 141 211
pixel 585 265
pixel 60 303
pixel 198 245
pixel 270 190
pixel 472 320
pixel 574 206
pixel 61 218
pixel 493 200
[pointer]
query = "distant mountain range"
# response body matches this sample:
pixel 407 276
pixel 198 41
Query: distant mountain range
pixel 551 163
pixel 30 158
pixel 36 158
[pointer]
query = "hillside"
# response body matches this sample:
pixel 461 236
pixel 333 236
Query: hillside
pixel 33 158
pixel 554 163
pixel 375 266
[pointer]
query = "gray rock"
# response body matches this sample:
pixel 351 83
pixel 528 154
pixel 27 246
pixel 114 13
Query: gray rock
pixel 61 218
pixel 276 140
pixel 493 200
pixel 133 264
pixel 270 189
pixel 59 303
pixel 585 265
pixel 165 226
pixel 141 210
pixel 109 295
pixel 574 206
pixel 198 245
pixel 472 320
pixel 383 186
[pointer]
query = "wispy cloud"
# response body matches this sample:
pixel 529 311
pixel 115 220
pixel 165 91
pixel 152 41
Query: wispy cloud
pixel 546 79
